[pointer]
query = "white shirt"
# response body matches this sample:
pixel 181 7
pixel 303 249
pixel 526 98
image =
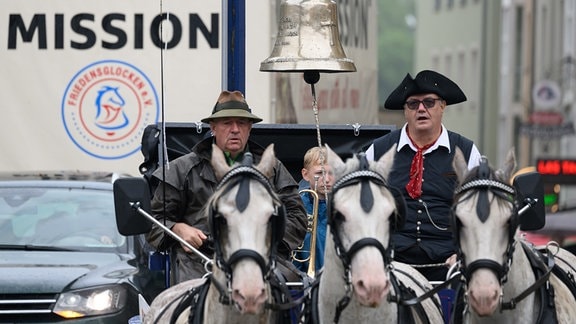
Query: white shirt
pixel 443 140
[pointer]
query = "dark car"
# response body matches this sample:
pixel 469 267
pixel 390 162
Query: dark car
pixel 62 258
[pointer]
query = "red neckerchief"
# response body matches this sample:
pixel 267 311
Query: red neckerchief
pixel 414 186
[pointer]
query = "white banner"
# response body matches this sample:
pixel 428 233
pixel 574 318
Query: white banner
pixel 82 79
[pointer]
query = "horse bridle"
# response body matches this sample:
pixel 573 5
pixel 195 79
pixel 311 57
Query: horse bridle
pixel 502 190
pixel 363 176
pixel 241 176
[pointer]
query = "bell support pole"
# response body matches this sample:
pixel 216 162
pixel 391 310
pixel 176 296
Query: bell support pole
pixel 234 45
pixel 308 41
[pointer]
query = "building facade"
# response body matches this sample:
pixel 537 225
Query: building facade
pixel 516 62
pixel 460 39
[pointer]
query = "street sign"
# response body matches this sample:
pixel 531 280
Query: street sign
pixel 560 170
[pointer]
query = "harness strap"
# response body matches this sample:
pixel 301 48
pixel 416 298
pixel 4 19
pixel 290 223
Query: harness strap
pixel 223 292
pixel 313 314
pixel 342 304
pixel 404 313
pixel 165 309
pixel 186 298
pixel 185 302
pixel 196 315
pixel 565 275
pixel 547 312
pixel 537 264
pixel 459 305
pixel 429 293
pixel 282 298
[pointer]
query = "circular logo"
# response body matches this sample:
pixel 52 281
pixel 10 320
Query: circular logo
pixel 106 107
pixel 546 94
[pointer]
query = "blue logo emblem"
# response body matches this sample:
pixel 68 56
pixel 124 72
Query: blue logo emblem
pixel 106 107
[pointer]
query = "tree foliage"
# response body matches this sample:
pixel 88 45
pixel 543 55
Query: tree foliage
pixel 395 44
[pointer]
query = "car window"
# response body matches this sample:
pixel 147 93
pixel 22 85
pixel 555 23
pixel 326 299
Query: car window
pixel 77 218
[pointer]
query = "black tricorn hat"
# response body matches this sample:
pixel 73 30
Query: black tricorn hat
pixel 425 82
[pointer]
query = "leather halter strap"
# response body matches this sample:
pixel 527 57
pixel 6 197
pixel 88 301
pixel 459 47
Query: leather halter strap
pixel 362 177
pixel 500 189
pixel 241 176
pixel 501 270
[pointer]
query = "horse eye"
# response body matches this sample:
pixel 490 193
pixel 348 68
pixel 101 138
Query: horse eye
pixel 459 223
pixel 339 217
pixel 221 220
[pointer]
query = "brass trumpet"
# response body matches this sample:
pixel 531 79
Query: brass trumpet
pixel 311 227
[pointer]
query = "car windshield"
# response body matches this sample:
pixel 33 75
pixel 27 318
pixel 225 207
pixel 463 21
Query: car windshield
pixel 67 218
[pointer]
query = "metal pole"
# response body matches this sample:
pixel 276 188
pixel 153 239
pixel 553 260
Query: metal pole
pixel 136 206
pixel 234 45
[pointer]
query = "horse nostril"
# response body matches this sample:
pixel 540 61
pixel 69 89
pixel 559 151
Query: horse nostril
pixel 237 295
pixel 259 297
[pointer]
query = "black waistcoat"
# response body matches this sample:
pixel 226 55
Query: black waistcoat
pixel 427 218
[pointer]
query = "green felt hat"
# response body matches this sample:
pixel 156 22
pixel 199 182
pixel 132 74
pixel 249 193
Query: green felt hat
pixel 231 104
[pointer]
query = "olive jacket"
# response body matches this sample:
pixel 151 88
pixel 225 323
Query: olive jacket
pixel 189 183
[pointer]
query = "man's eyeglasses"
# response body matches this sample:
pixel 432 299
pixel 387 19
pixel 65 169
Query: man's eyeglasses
pixel 427 102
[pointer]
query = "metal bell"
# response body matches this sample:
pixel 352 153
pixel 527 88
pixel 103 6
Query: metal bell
pixel 308 39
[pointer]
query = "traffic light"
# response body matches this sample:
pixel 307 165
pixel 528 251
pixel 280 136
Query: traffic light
pixel 551 196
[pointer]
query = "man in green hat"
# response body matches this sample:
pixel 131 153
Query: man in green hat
pixel 190 181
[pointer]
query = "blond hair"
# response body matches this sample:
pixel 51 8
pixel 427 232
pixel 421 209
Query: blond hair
pixel 312 156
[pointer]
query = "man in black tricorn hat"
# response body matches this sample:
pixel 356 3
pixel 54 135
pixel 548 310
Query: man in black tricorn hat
pixel 423 170
pixel 190 181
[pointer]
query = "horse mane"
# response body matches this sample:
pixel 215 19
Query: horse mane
pixel 483 172
pixel 233 178
pixel 358 163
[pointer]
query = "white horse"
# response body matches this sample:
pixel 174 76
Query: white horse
pixel 245 218
pixel 359 283
pixel 500 284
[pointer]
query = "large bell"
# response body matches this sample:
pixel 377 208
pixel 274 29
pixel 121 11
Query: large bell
pixel 308 39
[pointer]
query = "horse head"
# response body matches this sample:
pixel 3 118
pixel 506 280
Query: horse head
pixel 245 218
pixel 110 114
pixel 361 212
pixel 485 222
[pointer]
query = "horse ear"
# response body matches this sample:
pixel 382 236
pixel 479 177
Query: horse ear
pixel 338 166
pixel 266 165
pixel 460 165
pixel 384 164
pixel 505 172
pixel 219 162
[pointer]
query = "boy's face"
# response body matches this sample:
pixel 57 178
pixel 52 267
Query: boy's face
pixel 314 176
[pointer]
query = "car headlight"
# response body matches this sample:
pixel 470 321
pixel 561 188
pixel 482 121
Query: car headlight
pixel 90 302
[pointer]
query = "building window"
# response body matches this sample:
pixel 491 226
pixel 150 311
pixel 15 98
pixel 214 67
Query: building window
pixel 448 65
pixel 518 45
pixel 437 5
pixel 461 67
pixel 435 63
pixel 474 70
pixel 450 4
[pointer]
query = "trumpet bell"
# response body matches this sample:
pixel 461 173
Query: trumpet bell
pixel 308 39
